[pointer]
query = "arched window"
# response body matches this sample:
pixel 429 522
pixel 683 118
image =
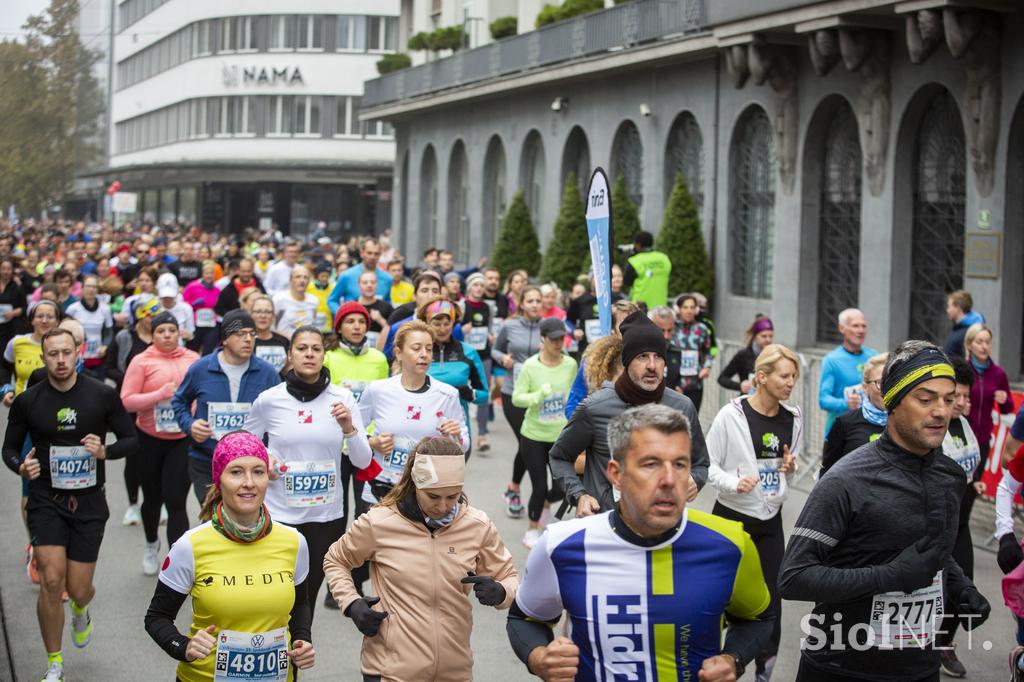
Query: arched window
pixel 752 214
pixel 937 264
pixel 532 176
pixel 839 229
pixel 684 154
pixel 458 203
pixel 494 192
pixel 576 159
pixel 628 160
pixel 404 206
pixel 428 199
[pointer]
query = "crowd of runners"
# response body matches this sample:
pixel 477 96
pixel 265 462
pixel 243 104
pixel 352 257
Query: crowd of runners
pixel 322 401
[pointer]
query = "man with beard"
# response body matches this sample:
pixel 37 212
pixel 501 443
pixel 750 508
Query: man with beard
pixel 643 382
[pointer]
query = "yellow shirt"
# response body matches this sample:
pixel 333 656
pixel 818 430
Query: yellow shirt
pixel 27 356
pixel 323 311
pixel 401 292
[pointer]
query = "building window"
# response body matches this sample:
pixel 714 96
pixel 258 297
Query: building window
pixel 458 203
pixel 282 32
pixel 199 127
pixel 236 35
pixel 201 39
pixel 428 198
pixel 576 160
pixel 937 263
pixel 532 176
pixel 752 219
pixel 381 33
pixel 839 230
pixel 684 155
pixel 494 192
pixel 234 116
pixel 307 116
pixel 351 33
pixel 309 32
pixel 628 160
pixel 280 115
pixel 347 111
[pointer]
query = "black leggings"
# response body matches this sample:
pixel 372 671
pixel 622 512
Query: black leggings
pixel 696 395
pixel 808 674
pixel 514 416
pixel 320 535
pixel 132 475
pixel 963 554
pixel 163 470
pixel 535 456
pixel 770 541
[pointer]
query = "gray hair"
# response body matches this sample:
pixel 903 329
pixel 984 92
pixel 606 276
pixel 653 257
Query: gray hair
pixel 904 352
pixel 650 416
pixel 844 317
pixel 662 312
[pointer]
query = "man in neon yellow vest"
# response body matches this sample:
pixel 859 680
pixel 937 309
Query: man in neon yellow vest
pixel 647 272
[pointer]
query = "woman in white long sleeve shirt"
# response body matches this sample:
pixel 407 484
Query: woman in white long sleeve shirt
pixel 753 444
pixel 309 422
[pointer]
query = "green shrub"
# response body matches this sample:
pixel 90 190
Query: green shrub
pixel 420 41
pixel 503 27
pixel 569 239
pixel 682 240
pixel 625 220
pixel 393 62
pixel 549 14
pixel 517 245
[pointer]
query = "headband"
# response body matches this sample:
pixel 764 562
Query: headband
pixel 442 471
pixel 441 308
pixel 763 325
pixel 902 377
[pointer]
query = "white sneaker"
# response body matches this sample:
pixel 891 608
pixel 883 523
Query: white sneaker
pixel 132 515
pixel 55 673
pixel 151 558
pixel 531 537
pixel 163 516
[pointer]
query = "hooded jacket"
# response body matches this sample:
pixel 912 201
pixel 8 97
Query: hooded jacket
pixel 146 384
pixel 954 344
pixel 355 370
pixel 519 338
pixel 416 572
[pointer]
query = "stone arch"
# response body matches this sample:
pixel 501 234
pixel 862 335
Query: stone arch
pixel 495 197
pixel 627 160
pixel 684 153
pixel 458 203
pixel 428 198
pixel 576 159
pixel 752 180
pixel 532 176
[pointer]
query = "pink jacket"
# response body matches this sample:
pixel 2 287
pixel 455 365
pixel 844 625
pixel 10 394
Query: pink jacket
pixel 149 380
pixel 199 296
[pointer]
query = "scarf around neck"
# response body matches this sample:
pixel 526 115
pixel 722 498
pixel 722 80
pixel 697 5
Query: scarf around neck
pixel 227 527
pixel 872 414
pixel 631 394
pixel 304 392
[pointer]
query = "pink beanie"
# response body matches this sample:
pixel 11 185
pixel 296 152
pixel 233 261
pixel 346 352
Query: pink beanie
pixel 234 445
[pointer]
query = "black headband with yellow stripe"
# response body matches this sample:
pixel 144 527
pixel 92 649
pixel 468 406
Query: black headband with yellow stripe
pixel 902 377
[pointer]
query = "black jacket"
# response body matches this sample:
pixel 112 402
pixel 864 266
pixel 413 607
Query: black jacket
pixel 228 299
pixel 849 431
pixel 742 365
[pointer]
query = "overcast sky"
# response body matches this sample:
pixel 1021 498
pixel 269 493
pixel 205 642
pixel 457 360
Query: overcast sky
pixel 13 14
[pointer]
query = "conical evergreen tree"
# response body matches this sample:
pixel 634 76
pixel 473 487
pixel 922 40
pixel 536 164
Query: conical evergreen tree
pixel 517 245
pixel 625 223
pixel 682 240
pixel 569 239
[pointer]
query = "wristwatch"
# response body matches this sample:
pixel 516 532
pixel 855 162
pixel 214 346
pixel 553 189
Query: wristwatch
pixel 740 668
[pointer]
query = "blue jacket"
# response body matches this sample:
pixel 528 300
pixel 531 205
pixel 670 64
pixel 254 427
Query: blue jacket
pixel 839 370
pixel 577 393
pixel 389 343
pixel 347 287
pixel 205 382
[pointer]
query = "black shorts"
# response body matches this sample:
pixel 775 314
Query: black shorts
pixel 75 522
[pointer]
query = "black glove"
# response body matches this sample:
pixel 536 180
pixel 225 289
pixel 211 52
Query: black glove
pixel 916 566
pixel 972 607
pixel 1010 554
pixel 366 619
pixel 488 590
pixel 380 489
pixel 466 393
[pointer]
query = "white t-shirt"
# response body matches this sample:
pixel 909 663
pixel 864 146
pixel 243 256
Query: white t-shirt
pixel 235 373
pixel 93 321
pixel 185 316
pixel 292 314
pixel 308 440
pixel 408 416
pixel 276 279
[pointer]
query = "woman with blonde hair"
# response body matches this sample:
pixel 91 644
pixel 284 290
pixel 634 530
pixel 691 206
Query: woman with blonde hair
pixel 514 285
pixel 862 425
pixel 753 445
pixel 419 624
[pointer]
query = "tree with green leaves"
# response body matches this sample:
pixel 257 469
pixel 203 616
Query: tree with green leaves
pixel 568 240
pixel 518 246
pixel 683 241
pixel 625 220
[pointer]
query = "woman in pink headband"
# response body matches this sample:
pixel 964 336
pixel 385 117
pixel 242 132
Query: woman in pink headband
pixel 738 374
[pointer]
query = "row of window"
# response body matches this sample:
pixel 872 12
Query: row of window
pixel 131 11
pixel 264 33
pixel 249 116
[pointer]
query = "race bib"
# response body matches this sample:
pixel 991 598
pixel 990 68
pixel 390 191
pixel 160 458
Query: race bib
pixel 261 657
pixel 310 484
pixel 92 348
pixel 394 462
pixel 967 459
pixel 5 308
pixel 226 417
pixel 71 467
pixel 274 355
pixel 552 409
pixel 771 478
pixel 163 417
pixel 902 620
pixel 477 337
pixel 592 329
pixel 689 363
pixel 205 317
pixel 372 338
pixel 357 387
pixel 496 322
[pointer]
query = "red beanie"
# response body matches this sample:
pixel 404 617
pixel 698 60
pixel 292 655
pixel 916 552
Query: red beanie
pixel 347 309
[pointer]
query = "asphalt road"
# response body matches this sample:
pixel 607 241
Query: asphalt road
pixel 122 651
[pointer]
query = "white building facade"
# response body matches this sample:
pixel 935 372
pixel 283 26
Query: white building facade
pixel 244 113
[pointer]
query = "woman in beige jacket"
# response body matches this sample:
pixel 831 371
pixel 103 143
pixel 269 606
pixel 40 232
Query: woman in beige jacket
pixel 427 548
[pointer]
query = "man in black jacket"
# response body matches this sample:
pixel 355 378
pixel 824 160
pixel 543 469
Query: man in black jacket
pixel 231 294
pixel 873 545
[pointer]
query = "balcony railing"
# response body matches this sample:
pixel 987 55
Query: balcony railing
pixel 616 28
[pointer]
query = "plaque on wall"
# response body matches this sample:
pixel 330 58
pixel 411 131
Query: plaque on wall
pixel 982 254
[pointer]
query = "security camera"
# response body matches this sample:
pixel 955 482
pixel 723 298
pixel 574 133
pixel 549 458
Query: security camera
pixel 645 110
pixel 559 103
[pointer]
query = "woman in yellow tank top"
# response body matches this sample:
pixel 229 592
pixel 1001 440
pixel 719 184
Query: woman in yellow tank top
pixel 24 351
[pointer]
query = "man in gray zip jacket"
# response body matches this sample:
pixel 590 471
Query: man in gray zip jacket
pixel 642 382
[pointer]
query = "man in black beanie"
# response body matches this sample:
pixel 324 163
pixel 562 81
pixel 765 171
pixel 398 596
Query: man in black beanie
pixel 642 382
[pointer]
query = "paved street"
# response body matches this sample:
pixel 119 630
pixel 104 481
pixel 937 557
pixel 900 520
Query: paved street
pixel 122 651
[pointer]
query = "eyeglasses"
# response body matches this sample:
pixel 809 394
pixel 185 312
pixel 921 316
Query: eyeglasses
pixel 245 333
pixel 875 382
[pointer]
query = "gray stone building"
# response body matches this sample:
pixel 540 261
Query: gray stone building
pixel 851 152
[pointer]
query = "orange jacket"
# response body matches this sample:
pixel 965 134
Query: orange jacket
pixel 416 574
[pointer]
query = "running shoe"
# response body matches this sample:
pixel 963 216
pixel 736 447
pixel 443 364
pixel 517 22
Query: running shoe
pixel 163 516
pixel 132 515
pixel 482 445
pixel 55 673
pixel 1016 674
pixel 81 627
pixel 31 568
pixel 513 505
pixel 531 537
pixel 151 558
pixel 951 665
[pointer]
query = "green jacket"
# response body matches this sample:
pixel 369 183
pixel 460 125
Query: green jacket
pixel 651 283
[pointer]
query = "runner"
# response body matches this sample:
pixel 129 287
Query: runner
pixel 231 292
pixel 861 425
pixel 753 445
pixel 401 288
pixel 541 388
pixel 68 417
pixel 13 303
pixel 202 295
pixel 693 341
pixel 648 566
pixel 843 369
pixel 271 347
pixel 991 390
pixel 426 616
pixel 582 387
pixel 98 322
pixel 476 329
pixel 241 624
pixel 515 283
pixel 378 308
pixel 145 289
pixel 221 386
pixel 320 288
pixel 149 384
pixel 518 339
pixel 295 306
pixel 170 298
pixel 347 286
pixel 738 374
pixel 427 286
pixel 278 276
pixel 876 535
pixel 308 421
